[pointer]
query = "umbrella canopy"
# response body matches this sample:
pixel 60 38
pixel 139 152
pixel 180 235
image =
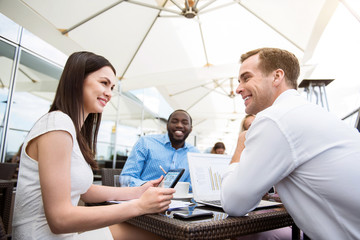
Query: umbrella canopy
pixel 189 50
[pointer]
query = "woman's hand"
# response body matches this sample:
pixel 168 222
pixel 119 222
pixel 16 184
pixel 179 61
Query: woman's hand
pixel 155 199
pixel 153 183
pixel 149 184
pixel 239 147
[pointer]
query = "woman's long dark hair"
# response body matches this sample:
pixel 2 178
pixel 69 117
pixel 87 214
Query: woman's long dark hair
pixel 69 99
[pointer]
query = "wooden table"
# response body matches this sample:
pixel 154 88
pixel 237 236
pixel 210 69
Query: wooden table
pixel 220 226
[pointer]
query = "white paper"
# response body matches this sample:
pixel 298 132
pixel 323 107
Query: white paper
pixel 178 204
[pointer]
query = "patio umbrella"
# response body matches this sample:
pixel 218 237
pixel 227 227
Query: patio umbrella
pixel 188 50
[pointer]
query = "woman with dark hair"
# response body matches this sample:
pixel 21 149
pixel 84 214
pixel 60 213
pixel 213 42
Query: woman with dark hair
pixel 218 148
pixel 57 160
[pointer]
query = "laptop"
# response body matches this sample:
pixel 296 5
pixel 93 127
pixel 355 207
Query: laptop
pixel 205 172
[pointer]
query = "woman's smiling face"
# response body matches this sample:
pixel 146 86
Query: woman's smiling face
pixel 97 90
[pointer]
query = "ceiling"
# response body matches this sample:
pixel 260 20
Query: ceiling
pixel 193 62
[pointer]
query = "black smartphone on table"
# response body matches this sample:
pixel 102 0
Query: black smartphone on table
pixel 171 178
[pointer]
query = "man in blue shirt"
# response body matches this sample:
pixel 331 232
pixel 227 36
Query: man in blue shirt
pixel 166 150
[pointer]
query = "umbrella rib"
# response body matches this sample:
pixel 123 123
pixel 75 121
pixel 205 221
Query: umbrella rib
pixel 218 85
pixel 27 75
pixel 350 9
pixel 269 25
pixel 221 93
pixel 218 7
pixel 141 43
pixel 176 4
pixel 188 89
pixel 91 17
pixel 172 16
pixel 194 103
pixel 196 3
pixel 204 86
pixel 205 5
pixel 154 7
pixel 222 88
pixel 203 41
pixel 224 92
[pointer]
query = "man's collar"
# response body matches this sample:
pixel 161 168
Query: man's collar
pixel 285 94
pixel 167 141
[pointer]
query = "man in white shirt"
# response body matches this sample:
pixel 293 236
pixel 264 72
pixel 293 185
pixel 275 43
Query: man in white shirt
pixel 311 156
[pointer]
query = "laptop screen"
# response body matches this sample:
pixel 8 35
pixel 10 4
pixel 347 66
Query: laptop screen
pixel 205 173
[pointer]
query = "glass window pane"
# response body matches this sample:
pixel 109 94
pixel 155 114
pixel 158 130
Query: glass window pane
pixel 14 141
pixel 35 86
pixel 7 53
pixel 126 138
pixel 37 45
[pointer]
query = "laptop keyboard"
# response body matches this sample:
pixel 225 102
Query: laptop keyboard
pixel 213 202
pixel 262 204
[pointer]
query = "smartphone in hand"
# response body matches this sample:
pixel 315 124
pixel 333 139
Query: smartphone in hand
pixel 172 177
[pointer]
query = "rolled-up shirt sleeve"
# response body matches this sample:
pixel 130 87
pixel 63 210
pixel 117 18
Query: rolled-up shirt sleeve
pixel 135 164
pixel 266 159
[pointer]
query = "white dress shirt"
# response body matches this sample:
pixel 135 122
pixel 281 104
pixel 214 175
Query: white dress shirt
pixel 312 158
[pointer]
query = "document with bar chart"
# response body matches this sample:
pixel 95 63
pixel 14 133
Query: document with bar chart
pixel 206 171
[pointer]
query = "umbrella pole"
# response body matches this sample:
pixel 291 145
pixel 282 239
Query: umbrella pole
pixel 116 125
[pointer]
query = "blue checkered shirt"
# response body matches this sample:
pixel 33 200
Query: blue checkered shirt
pixel 149 153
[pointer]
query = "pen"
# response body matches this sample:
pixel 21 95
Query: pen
pixel 162 169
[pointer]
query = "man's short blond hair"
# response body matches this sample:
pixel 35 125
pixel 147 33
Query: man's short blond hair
pixel 275 58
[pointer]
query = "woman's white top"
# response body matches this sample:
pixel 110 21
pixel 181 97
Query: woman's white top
pixel 29 221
